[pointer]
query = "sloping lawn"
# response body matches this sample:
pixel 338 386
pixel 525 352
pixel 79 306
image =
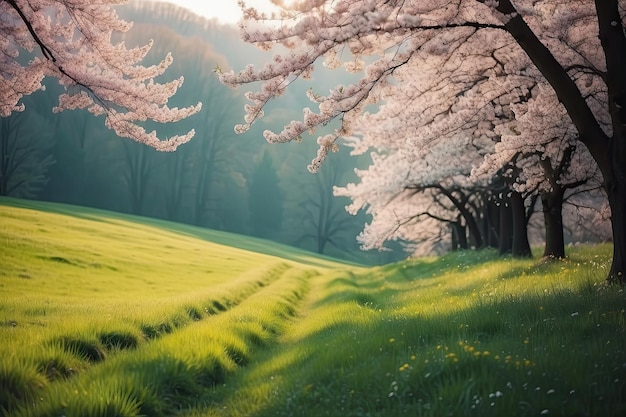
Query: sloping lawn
pixel 103 314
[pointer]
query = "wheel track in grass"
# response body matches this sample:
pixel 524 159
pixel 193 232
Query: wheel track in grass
pixel 290 349
pixel 171 372
pixel 69 355
pixel 224 297
pixel 108 319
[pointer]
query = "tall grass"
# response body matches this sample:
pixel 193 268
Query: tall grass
pixel 170 324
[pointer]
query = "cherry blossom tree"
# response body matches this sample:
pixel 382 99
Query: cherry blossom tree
pixel 574 47
pixel 438 108
pixel 549 160
pixel 449 114
pixel 400 192
pixel 72 41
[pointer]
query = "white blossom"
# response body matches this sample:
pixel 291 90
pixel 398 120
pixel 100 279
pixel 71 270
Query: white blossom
pixel 439 82
pixel 71 41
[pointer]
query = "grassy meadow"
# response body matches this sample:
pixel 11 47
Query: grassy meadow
pixel 103 314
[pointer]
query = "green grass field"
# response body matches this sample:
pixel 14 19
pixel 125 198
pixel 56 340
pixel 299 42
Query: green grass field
pixel 103 314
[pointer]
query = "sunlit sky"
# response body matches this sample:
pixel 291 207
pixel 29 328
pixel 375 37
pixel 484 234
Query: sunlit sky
pixel 227 11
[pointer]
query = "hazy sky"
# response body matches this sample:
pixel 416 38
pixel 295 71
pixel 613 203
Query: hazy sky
pixel 226 11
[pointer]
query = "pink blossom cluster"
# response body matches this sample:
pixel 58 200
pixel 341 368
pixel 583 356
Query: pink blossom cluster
pixel 444 95
pixel 72 41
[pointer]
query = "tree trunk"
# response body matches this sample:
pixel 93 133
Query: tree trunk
pixel 4 156
pixel 617 201
pixel 552 203
pixel 462 236
pixel 321 244
pixel 505 244
pixel 613 40
pixel 454 240
pixel 492 220
pixel 459 236
pixel 470 220
pixel 474 230
pixel 609 153
pixel 520 246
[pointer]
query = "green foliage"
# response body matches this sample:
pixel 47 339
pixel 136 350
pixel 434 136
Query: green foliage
pixel 56 362
pixel 171 324
pixel 94 399
pixel 469 334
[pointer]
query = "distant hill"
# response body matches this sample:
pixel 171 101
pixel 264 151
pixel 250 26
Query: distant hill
pixel 223 38
pixel 246 243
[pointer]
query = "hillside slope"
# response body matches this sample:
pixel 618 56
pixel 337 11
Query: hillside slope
pixel 143 224
pixel 103 314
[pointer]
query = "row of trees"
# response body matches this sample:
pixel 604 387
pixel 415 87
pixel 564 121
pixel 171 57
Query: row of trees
pixel 522 100
pixel 486 192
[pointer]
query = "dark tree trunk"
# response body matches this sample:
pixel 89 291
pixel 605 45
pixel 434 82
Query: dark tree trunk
pixel 609 153
pixel 474 230
pixel 520 246
pixel 613 42
pixel 462 237
pixel 459 236
pixel 552 204
pixel 617 201
pixel 492 223
pixel 4 156
pixel 505 244
pixel 454 240
pixel 470 220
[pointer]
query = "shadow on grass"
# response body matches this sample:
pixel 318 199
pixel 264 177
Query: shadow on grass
pixel 514 356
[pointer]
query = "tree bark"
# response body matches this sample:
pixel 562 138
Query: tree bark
pixel 470 220
pixel 492 222
pixel 590 132
pixel 552 204
pixel 608 152
pixel 4 156
pixel 473 228
pixel 617 201
pixel 613 43
pixel 459 235
pixel 505 243
pixel 520 245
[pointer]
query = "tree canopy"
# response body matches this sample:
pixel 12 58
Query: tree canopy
pixel 523 74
